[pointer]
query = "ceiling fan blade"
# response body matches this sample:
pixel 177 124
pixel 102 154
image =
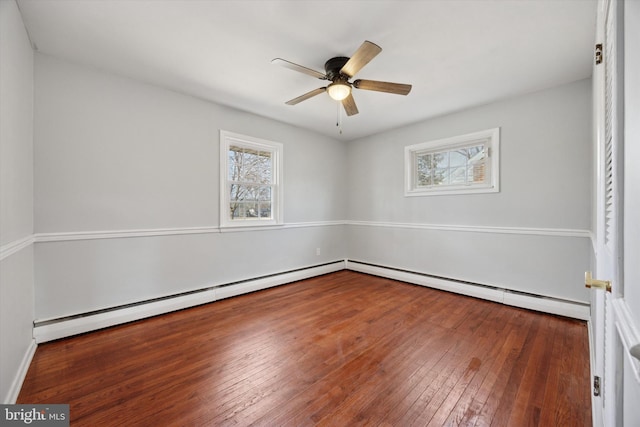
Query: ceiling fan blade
pixel 349 105
pixel 397 88
pixel 307 95
pixel 365 53
pixel 295 67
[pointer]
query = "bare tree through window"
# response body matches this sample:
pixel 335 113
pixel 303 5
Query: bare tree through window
pixel 461 166
pixel 250 179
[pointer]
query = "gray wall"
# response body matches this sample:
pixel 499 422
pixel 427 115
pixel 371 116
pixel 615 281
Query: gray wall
pixel 116 155
pixel 542 212
pixel 16 195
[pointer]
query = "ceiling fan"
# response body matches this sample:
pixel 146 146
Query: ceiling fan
pixel 339 70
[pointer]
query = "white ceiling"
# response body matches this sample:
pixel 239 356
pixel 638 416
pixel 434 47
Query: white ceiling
pixel 456 54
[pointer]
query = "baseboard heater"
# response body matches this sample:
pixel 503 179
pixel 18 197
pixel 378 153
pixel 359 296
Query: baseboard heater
pixel 545 304
pixel 52 329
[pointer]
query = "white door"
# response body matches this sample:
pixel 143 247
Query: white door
pixel 608 210
pixel 616 315
pixel 627 307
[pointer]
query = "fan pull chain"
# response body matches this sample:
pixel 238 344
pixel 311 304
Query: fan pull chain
pixel 339 122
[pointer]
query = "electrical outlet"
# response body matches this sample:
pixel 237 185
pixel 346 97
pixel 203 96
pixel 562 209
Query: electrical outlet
pixel 318 251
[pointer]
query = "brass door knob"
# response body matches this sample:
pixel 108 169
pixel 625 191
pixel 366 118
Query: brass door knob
pixel 590 282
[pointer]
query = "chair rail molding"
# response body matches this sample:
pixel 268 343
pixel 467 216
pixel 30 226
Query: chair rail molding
pixel 16 246
pixel 152 232
pixel 559 232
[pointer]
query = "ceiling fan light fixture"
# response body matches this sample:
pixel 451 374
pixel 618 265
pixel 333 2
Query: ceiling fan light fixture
pixel 339 90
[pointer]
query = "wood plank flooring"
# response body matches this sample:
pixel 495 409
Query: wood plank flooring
pixel 342 349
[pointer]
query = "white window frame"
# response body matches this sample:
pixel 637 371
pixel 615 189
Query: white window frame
pixel 490 138
pixel 228 139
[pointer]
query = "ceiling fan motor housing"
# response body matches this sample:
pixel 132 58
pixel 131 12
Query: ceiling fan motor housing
pixel 333 67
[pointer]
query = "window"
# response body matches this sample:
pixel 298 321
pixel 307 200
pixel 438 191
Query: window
pixel 250 182
pixel 457 165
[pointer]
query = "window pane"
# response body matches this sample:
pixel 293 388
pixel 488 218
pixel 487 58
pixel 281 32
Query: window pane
pixel 251 210
pixel 235 163
pixel 247 165
pixel 237 210
pixel 265 168
pixel 441 160
pixel 458 176
pixel 477 173
pixel 252 193
pixel 440 177
pixel 473 151
pixel 458 157
pixel 234 192
pixel 237 194
pixel 250 170
pixel 477 164
pixel 264 193
pixel 265 209
pixel 244 200
pixel 423 169
pixel 244 210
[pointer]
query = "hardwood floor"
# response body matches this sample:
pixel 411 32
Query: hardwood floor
pixel 342 349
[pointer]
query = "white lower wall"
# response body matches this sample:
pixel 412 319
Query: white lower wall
pixel 81 274
pixel 16 320
pixel 573 309
pixel 61 328
pixel 541 264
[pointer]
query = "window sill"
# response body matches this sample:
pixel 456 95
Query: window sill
pixel 452 191
pixel 249 227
